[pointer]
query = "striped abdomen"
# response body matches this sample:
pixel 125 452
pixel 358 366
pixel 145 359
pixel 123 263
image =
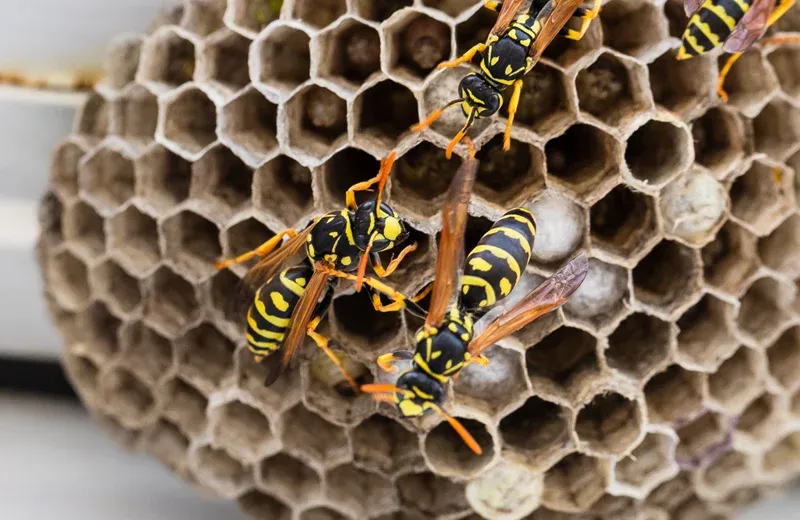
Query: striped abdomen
pixel 494 267
pixel 711 25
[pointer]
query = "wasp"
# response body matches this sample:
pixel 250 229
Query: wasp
pixel 523 30
pixel 463 319
pixel 733 25
pixel 287 305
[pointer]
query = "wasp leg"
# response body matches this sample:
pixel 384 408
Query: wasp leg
pixel 400 301
pixel 322 342
pixel 465 58
pixel 586 18
pixel 493 5
pixel 779 11
pixel 262 250
pixel 386 361
pixel 723 74
pixel 386 167
pixel 393 263
pixel 512 110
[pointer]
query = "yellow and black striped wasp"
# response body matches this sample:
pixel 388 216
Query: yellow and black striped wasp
pixel 287 305
pixel 523 30
pixel 462 320
pixel 733 25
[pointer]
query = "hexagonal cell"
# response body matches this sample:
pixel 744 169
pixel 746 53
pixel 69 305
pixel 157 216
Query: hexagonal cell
pixel 601 298
pixel 378 12
pixel 68 279
pixel 431 495
pixel 784 359
pixel 545 105
pixel 318 14
pixel 83 228
pixel 250 17
pixel 561 362
pixel 170 302
pixel 623 222
pixel 658 151
pixel 346 168
pixel 241 430
pixel 283 187
pixel 51 215
pixel 83 374
pixel 322 513
pixel 361 492
pixel 362 323
pixel 575 483
pixel 449 455
pixel 610 89
pixel 206 357
pixel 245 236
pixel 125 436
pixel 97 330
pixel 217 470
pixel 133 240
pixel 135 116
pixel 256 505
pixel 223 62
pixel 278 397
pixel 640 345
pixel 674 395
pixel 560 227
pixel 609 424
pixel 203 17
pixel 162 179
pixel 116 287
pixel 706 337
pixel 188 122
pixel 327 392
pixel 784 62
pixel 186 407
pixel 763 309
pixel 654 277
pixel 634 28
pixel 474 30
pixel 290 478
pixel 452 8
pixel 760 197
pixel 423 173
pixel 64 168
pixel 416 44
pixel 566 53
pixel 146 353
pixel 683 86
pixel 121 61
pixel 492 388
pixel 760 420
pixel 167 444
pixel 536 434
pixel 693 206
pixel 222 181
pixel 783 458
pixel 719 139
pixel 729 472
pixel 780 249
pixel 308 436
pixel 702 440
pixel 168 60
pixel 351 53
pixel 650 464
pixel 384 112
pixel 506 489
pixel 736 382
pixel 93 117
pixel 673 493
pixel 192 244
pixel 384 446
pixel 509 178
pixel 750 82
pixel 317 120
pixel 248 126
pixel 126 397
pixel 777 129
pixel 281 75
pixel 730 259
pixel 583 159
pixel 106 177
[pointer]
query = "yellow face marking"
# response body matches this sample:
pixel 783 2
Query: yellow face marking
pixel 420 393
pixel 509 70
pixel 423 364
pixel 475 99
pixel 346 260
pixel 505 286
pixel 278 301
pixel 479 264
pixel 371 223
pixel 392 228
pixel 409 408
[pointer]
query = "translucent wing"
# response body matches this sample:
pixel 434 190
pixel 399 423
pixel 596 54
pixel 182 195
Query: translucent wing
pixel 751 27
pixel 548 296
pixel 692 6
pixel 553 17
pixel 451 242
pixel 302 315
pixel 509 11
pixel 271 264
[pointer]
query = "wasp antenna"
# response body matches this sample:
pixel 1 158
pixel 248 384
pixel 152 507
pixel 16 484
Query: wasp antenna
pixel 362 265
pixel 460 135
pixel 376 388
pixel 467 437
pixel 433 116
pixel 383 176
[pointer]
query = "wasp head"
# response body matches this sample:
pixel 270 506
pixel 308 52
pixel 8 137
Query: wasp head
pixel 478 96
pixel 379 225
pixel 420 391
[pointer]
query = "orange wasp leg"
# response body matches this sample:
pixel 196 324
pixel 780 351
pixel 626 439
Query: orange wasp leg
pixel 262 250
pixel 322 342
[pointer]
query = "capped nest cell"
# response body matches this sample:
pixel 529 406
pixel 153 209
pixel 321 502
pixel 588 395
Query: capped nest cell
pixel 667 387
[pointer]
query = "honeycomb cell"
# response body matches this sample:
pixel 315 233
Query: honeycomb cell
pixel 121 61
pixel 640 346
pixel 379 11
pixel 650 464
pixel 163 179
pixel 719 140
pixel 674 394
pixel 241 431
pixel 729 472
pixel 575 483
pixel 307 436
pixel 170 302
pixel 135 115
pixel 784 62
pixel 636 28
pixel 511 177
pixel 611 89
pixel 244 236
pixel 248 127
pixel 217 470
pixel 106 178
pixel 703 439
pixel 167 444
pixel 601 300
pixel 187 122
pixel 430 495
pixel 657 151
pixel 609 424
pixel 83 228
pixel 784 359
pixel 562 361
pixel 422 173
pixel 289 478
pixel 322 513
pixel 693 207
pixel 83 374
pixel 763 311
pixel 359 491
pixel 453 8
pixel 223 63
pixel 250 17
pixel 537 434
pixel 706 337
pixel 317 120
pixel 415 44
pixel 736 382
pixel 168 60
pixel 282 186
pixel 98 331
pixel 203 17
pixel 779 250
pixel 567 53
pixel 148 354
pixel 383 113
pixel 493 388
pixel 474 30
pixel 51 213
pixel 257 505
pixel 654 278
pixel 133 240
pixel 730 260
pixel 127 398
pixel 623 223
pixel 281 76
pixel 750 83
pixel 346 168
pixel 761 420
pixel 584 159
pixel 384 446
pixel 192 244
pixel 186 407
pixel 318 14
pixel 777 129
pixel 327 392
pixel 68 276
pixel 124 436
pixel 684 87
pixel 93 118
pixel 560 227
pixel 546 102
pixel 115 286
pixel 761 197
pixel 64 168
pixel 363 325
pixel 205 357
pixel 278 397
pixel 351 53
pixel 783 459
pixel 448 455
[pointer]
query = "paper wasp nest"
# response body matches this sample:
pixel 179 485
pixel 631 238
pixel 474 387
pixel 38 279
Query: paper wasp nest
pixel 666 388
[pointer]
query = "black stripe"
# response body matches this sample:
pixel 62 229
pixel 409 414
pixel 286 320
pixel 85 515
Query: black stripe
pixel 701 39
pixel 36 377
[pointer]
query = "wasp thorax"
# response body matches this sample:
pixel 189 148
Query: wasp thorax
pixel 422 389
pixel 382 227
pixel 479 95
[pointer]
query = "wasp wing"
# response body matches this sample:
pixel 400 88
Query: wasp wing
pixel 509 11
pixel 548 296
pixel 692 6
pixel 271 264
pixel 751 27
pixel 551 19
pixel 302 314
pixel 451 241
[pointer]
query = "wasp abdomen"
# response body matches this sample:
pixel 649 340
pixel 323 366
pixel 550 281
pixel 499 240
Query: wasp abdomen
pixel 711 25
pixel 496 264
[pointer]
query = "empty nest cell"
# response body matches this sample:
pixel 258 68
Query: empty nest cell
pixel 221 182
pixel 705 337
pixel 494 387
pixel 536 434
pixel 384 446
pixel 729 472
pixel 188 122
pixel 784 359
pixel 163 179
pixel 319 14
pixel 575 483
pixel 623 222
pixel 93 118
pixel 328 393
pixel 730 259
pixel 359 491
pixel 609 424
pixel 351 53
pixel 422 173
pixel 750 82
pixel 431 495
pixel 322 513
pixel 777 129
pixel 317 120
pixel 719 139
pixel 781 249
pixel 186 407
pixel 657 151
pixel 223 62
pixel 655 279
pixel 168 59
pixel 609 89
pixel 736 382
pixel 703 440
pixel 649 464
pixel 763 310
pixel 416 44
pixel 634 28
pixel 546 102
pixel 126 397
pixel 640 345
pixel 509 177
pixel 121 61
pixel 116 287
pixel 290 478
pixel 449 455
pixel 246 235
pixel 283 187
pixel 761 420
pixel 106 178
pixel 681 86
pixel 167 444
pixel 346 168
pixel 84 229
pixel 281 75
pixel 384 112
pixel 192 244
pixel 68 276
pixel 64 169
pixel 250 17
pixel 206 356
pixel 147 353
pixel 582 158
pixel 133 240
pixel 255 504
pixel 561 362
pixel 783 458
pixel 170 302
pixel 360 323
pixel 219 471
pixel 308 435
pixel 241 430
pixel 83 374
pixel 248 126
pixel 784 62
pixel 136 116
pixel 674 394
pixel 379 11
